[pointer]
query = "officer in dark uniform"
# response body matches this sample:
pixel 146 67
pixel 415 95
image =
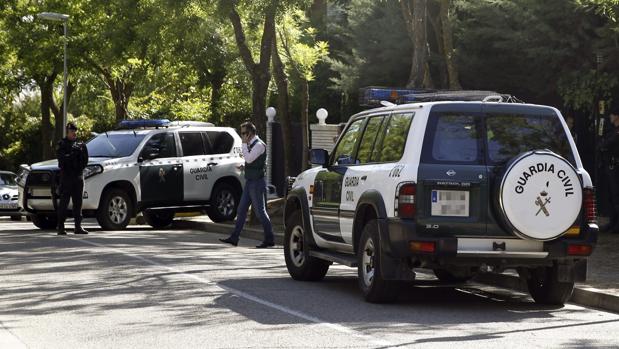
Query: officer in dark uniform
pixel 72 160
pixel 610 153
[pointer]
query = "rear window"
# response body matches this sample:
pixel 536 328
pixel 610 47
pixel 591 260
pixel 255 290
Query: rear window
pixel 221 142
pixel 452 138
pixel 511 134
pixel 394 141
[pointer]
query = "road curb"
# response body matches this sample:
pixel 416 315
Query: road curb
pixel 585 296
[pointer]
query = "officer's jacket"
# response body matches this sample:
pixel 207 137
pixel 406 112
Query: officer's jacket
pixel 72 157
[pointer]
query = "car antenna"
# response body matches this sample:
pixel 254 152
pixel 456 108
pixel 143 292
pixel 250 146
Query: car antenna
pixel 134 134
pixel 106 135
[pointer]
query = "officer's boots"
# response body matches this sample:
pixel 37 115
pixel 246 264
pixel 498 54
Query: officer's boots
pixel 61 230
pixel 79 229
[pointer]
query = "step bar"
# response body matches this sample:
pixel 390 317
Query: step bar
pixel 335 257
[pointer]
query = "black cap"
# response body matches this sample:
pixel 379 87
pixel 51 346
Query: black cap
pixel 71 126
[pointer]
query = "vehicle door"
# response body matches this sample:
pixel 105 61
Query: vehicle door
pixel 364 174
pixel 161 172
pixel 452 188
pixel 195 146
pixel 511 130
pixel 222 161
pixel 328 186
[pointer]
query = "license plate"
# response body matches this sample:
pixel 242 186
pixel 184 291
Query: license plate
pixel 8 206
pixel 454 203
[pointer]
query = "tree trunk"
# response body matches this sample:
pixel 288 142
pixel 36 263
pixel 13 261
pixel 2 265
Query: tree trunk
pixel 46 85
pixel 305 123
pixel 281 80
pixel 58 112
pixel 260 72
pixel 415 16
pixel 448 49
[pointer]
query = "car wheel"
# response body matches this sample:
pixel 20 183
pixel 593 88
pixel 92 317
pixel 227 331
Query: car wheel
pixel 159 219
pixel 45 222
pixel 545 288
pixel 449 277
pixel 301 266
pixel 224 202
pixel 115 210
pixel 375 289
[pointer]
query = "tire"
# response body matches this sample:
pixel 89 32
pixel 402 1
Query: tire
pixel 375 289
pixel 224 202
pixel 301 266
pixel 546 289
pixel 16 218
pixel 447 276
pixel 45 222
pixel 115 210
pixel 159 219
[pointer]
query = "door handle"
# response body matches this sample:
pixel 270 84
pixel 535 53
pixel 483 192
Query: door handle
pixel 211 164
pixel 364 178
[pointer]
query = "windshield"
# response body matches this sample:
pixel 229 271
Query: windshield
pixel 512 134
pixel 113 145
pixel 7 179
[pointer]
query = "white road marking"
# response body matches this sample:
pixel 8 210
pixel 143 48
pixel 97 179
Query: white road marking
pixel 339 328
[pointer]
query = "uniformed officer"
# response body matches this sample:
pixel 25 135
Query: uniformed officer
pixel 254 152
pixel 72 160
pixel 610 152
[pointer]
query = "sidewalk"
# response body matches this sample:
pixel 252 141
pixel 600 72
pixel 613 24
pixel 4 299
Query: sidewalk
pixel 600 291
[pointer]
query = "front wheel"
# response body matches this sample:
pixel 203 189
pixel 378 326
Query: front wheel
pixel 224 202
pixel 159 219
pixel 301 266
pixel 545 288
pixel 374 287
pixel 115 210
pixel 44 222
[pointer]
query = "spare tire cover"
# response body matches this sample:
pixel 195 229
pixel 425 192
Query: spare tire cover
pixel 540 195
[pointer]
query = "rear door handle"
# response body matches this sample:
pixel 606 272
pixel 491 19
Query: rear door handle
pixel 364 178
pixel 212 164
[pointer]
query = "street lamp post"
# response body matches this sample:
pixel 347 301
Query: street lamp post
pixel 59 17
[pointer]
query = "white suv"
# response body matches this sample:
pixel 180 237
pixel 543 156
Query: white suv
pixel 458 187
pixel 150 166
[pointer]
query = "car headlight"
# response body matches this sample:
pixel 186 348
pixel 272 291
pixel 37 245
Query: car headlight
pixel 22 174
pixel 92 170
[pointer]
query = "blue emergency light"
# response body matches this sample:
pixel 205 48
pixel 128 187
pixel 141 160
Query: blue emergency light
pixel 373 95
pixel 143 123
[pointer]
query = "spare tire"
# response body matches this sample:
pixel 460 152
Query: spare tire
pixel 540 195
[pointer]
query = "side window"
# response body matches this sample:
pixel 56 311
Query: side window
pixel 373 129
pixel 452 138
pixel 192 143
pixel 221 142
pixel 163 143
pixel 394 140
pixel 343 154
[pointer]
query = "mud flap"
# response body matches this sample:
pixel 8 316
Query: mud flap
pixel 394 269
pixel 572 271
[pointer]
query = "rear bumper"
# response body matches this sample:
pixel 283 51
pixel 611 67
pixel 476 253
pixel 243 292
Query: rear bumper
pixel 397 234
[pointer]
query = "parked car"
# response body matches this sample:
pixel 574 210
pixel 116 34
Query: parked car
pixel 458 187
pixel 9 197
pixel 149 166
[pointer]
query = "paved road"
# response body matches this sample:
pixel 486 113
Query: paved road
pixel 143 288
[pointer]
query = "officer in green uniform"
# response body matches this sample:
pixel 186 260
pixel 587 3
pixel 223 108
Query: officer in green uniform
pixel 254 152
pixel 610 154
pixel 72 159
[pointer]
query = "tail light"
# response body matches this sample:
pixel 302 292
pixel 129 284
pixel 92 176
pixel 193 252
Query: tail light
pixel 579 250
pixel 405 201
pixel 589 205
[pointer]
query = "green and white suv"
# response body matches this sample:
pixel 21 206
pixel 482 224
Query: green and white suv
pixel 456 187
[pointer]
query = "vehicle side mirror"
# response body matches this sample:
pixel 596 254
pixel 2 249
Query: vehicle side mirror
pixel 319 157
pixel 149 153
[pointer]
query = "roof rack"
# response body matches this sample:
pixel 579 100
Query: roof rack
pixel 190 124
pixel 373 96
